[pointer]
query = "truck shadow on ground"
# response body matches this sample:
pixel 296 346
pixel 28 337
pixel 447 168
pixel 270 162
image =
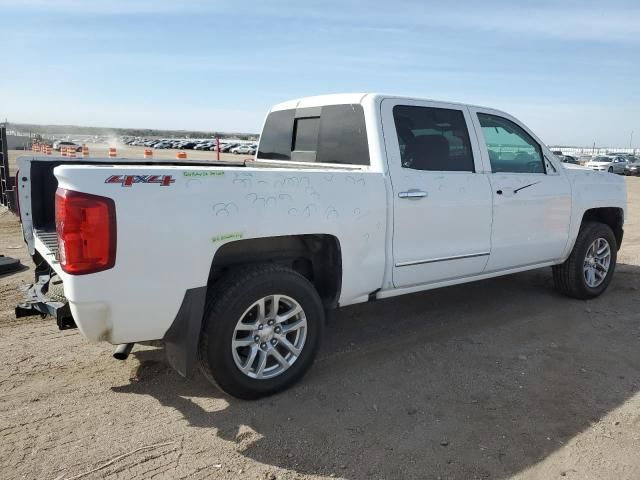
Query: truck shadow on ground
pixel 474 381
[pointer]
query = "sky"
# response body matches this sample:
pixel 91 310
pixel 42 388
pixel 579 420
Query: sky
pixel 568 69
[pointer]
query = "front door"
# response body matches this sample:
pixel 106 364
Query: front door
pixel 531 194
pixel 441 196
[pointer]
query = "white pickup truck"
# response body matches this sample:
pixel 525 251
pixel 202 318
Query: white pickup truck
pixel 351 198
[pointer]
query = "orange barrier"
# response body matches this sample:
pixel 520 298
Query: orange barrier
pixel 71 152
pixel 85 150
pixel 181 155
pixel 148 153
pixel 47 150
pixel 63 150
pixel 112 152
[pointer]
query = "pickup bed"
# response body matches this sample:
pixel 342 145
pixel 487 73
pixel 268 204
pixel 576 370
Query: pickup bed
pixel 351 198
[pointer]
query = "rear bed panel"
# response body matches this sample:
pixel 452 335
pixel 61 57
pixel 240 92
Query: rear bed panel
pixel 171 220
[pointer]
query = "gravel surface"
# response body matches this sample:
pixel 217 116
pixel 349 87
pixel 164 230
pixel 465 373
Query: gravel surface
pixel 499 379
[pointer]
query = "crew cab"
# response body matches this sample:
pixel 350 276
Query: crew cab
pixel 351 198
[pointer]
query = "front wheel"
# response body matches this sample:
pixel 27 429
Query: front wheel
pixel 262 330
pixel 610 170
pixel 588 270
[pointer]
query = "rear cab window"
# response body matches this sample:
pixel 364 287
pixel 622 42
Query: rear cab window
pixel 334 134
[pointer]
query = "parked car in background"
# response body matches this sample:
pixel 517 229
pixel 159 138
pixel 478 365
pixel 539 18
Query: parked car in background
pixel 606 163
pixel 584 159
pixel 632 167
pixel 570 159
pixel 60 144
pixel 203 146
pixel 244 150
pixel 162 145
pixel 227 147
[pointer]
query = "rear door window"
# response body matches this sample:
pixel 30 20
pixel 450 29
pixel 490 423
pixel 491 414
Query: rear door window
pixel 434 139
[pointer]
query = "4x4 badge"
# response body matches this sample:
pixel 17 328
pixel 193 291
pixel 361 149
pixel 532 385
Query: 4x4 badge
pixel 129 180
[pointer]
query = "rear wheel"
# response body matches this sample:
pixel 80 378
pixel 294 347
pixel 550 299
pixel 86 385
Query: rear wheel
pixel 610 170
pixel 262 331
pixel 588 270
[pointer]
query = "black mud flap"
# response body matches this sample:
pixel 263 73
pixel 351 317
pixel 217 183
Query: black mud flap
pixel 36 302
pixel 181 340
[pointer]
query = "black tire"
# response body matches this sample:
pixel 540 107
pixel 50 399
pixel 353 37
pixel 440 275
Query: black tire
pixel 569 276
pixel 610 170
pixel 229 298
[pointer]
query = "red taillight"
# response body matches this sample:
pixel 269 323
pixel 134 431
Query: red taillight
pixel 86 226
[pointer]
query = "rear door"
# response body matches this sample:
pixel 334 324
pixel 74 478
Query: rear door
pixel 531 194
pixel 441 196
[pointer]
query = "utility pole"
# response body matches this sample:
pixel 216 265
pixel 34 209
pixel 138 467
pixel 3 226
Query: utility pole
pixel 631 140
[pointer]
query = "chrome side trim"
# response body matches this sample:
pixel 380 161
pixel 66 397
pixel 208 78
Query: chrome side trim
pixel 442 259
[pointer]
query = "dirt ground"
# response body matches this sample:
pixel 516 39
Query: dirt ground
pixel 498 379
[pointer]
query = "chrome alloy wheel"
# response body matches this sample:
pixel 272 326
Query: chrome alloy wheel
pixel 597 262
pixel 269 337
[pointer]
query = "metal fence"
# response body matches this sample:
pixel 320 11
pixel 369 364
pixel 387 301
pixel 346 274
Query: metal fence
pixel 578 151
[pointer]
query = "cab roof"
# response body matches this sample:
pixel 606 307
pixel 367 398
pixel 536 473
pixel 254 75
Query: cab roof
pixel 347 98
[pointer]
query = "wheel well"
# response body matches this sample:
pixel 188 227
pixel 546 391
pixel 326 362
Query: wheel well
pixel 612 216
pixel 316 257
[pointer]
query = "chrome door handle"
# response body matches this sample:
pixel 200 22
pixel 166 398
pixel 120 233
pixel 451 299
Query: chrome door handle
pixel 413 194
